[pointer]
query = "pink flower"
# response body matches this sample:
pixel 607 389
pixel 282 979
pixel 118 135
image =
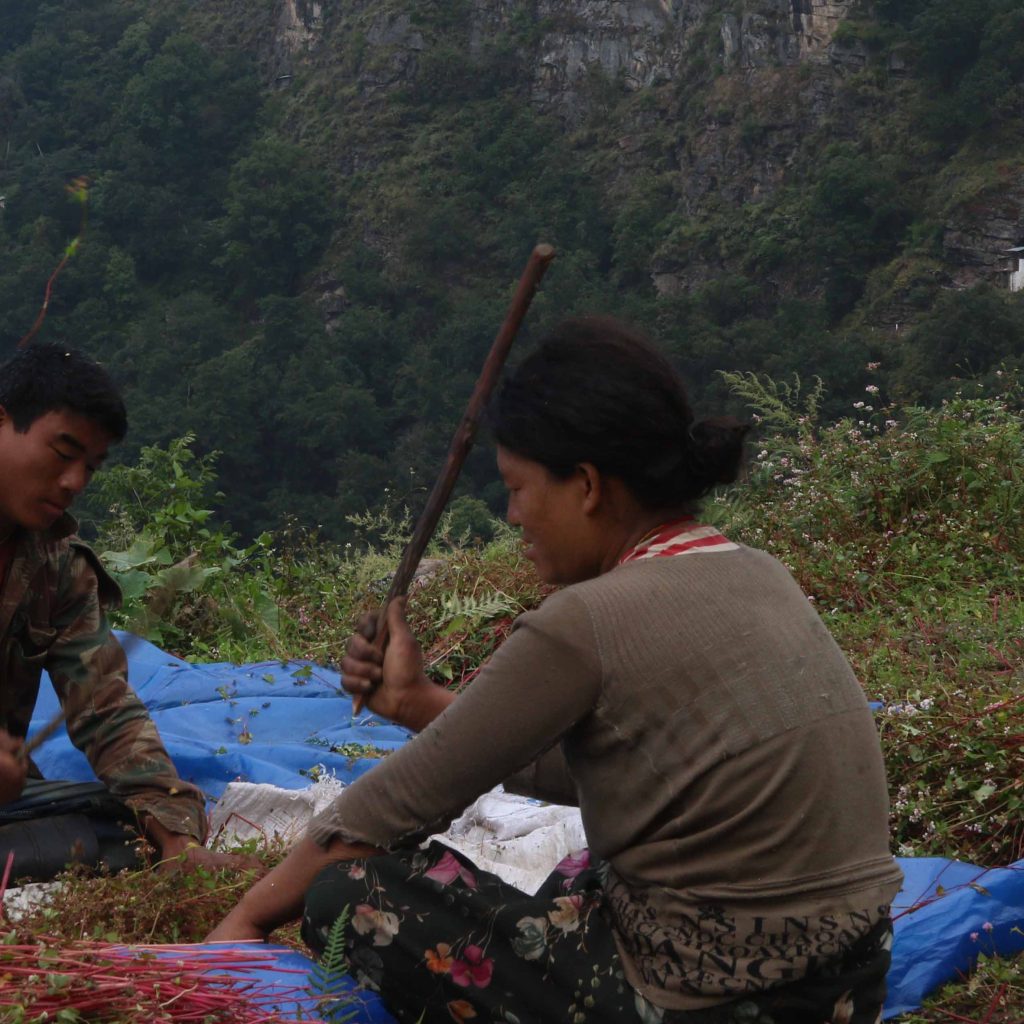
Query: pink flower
pixel 566 915
pixel 987 926
pixel 473 969
pixel 357 871
pixel 974 936
pixel 447 869
pixel 574 864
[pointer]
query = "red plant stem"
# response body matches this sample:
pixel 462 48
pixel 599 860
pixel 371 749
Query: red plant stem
pixel 6 879
pixel 46 303
pixel 996 1000
pixel 925 900
pixel 125 983
pixel 988 709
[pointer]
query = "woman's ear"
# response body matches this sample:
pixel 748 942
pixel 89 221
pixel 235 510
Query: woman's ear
pixel 591 486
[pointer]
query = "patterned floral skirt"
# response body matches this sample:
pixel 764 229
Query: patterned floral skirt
pixel 442 941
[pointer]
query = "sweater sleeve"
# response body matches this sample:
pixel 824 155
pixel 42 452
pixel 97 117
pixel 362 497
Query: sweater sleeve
pixel 105 718
pixel 539 683
pixel 547 778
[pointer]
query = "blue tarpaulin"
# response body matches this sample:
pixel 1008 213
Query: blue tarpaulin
pixel 275 723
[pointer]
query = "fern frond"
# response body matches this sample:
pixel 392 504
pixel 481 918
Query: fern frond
pixel 781 405
pixel 471 609
pixel 330 972
pixel 332 963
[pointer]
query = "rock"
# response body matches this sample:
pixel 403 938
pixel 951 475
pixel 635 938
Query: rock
pixel 978 235
pixel 787 32
pixel 635 43
pixel 397 45
pixel 299 24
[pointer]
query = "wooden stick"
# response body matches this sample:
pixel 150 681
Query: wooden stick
pixel 462 441
pixel 25 750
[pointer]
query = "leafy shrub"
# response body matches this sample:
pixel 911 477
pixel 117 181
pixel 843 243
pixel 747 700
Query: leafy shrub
pixel 903 526
pixel 179 575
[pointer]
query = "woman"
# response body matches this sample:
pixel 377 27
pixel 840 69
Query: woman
pixel 680 690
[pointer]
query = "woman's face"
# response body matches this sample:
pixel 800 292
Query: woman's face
pixel 559 536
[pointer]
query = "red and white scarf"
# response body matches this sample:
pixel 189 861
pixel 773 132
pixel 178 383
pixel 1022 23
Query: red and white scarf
pixel 680 537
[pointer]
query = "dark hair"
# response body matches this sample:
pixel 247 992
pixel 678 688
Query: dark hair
pixel 50 378
pixel 596 391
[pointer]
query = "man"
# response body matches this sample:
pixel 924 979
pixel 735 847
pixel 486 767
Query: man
pixel 59 414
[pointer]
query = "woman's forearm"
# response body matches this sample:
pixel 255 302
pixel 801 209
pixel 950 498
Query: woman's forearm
pixel 429 702
pixel 278 897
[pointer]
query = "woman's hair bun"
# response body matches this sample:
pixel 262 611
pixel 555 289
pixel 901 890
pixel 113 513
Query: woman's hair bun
pixel 716 445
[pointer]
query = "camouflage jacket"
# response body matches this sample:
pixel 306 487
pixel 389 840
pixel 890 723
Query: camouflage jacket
pixel 53 616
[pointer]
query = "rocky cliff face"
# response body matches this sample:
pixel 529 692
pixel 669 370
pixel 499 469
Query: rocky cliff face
pixel 637 42
pixel 770 76
pixel 773 32
pixel 644 43
pixel 299 24
pixel 734 149
pixel 641 43
pixel 979 236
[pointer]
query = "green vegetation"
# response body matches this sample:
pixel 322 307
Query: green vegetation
pixel 330 973
pixel 304 270
pixel 903 526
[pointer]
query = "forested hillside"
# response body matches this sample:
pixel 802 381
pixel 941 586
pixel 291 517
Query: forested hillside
pixel 304 219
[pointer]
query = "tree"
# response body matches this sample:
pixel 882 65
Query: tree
pixel 277 218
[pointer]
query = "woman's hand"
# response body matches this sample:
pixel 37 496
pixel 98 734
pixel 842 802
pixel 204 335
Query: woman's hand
pixel 392 684
pixel 238 927
pixel 13 769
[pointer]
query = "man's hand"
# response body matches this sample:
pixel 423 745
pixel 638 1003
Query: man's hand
pixel 394 684
pixel 183 853
pixel 13 769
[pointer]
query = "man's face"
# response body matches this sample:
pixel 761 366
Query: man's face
pixel 44 469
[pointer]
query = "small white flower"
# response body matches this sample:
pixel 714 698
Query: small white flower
pixel 872 389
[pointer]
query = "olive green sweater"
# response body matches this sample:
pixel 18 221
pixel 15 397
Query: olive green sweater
pixel 721 752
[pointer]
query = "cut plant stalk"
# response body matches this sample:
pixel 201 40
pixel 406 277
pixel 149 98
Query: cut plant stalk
pixel 78 189
pixel 461 443
pixel 143 985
